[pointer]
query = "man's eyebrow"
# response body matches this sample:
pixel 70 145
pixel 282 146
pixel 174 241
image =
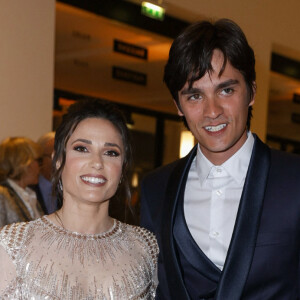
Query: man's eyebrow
pixel 195 90
pixel 227 83
pixel 192 90
pixel 83 141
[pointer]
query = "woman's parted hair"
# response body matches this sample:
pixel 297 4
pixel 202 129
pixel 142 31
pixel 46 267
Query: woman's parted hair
pixel 77 112
pixel 16 154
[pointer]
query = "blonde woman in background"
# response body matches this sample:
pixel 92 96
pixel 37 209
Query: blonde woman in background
pixel 19 167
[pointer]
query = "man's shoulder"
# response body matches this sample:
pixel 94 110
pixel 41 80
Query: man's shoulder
pixel 163 171
pixel 285 160
pixel 276 154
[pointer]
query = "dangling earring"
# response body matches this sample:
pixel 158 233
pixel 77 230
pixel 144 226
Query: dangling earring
pixel 60 185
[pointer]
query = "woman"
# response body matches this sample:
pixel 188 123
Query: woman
pixel 19 168
pixel 80 252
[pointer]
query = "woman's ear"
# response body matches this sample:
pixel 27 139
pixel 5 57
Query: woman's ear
pixel 58 164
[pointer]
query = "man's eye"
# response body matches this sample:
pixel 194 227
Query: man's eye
pixel 80 149
pixel 227 91
pixel 194 97
pixel 112 153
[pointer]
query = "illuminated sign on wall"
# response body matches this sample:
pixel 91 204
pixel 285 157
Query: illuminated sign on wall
pixel 153 11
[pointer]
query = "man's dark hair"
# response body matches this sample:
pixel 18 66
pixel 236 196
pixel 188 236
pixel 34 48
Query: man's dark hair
pixel 191 54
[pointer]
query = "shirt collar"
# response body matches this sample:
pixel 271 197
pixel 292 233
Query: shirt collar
pixel 27 192
pixel 236 166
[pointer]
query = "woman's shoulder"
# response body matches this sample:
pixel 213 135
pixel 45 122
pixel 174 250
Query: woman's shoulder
pixel 13 232
pixel 145 236
pixel 13 236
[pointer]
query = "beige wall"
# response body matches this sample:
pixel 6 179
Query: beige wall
pixel 26 67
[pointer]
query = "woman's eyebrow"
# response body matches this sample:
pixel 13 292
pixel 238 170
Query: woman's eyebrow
pixel 107 144
pixel 83 141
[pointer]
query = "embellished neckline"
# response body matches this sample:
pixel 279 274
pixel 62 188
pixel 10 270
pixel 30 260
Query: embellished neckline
pixel 58 229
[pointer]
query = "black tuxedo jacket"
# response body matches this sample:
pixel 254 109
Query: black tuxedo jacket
pixel 263 257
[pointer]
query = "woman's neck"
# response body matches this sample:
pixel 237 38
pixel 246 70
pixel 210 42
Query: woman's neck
pixel 86 220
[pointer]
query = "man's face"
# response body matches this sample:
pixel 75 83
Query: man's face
pixel 216 110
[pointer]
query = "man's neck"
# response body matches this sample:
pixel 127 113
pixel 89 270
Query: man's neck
pixel 218 158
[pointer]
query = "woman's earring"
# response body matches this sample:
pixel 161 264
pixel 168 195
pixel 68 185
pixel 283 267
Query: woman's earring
pixel 60 185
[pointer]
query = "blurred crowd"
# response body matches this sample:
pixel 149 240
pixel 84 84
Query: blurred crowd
pixel 25 179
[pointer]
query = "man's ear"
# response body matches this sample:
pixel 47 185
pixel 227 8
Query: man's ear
pixel 179 111
pixel 254 94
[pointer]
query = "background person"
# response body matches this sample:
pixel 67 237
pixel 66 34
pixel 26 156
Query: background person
pixel 19 168
pixel 80 252
pixel 44 187
pixel 226 216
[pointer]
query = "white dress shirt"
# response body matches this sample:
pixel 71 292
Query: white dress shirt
pixel 212 198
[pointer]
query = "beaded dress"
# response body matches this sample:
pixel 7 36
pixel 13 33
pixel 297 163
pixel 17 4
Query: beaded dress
pixel 40 260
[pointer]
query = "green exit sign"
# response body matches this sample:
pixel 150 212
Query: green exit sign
pixel 153 11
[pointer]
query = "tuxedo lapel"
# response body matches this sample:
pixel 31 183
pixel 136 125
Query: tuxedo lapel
pixel 244 236
pixel 189 248
pixel 176 183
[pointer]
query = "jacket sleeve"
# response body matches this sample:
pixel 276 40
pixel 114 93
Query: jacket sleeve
pixel 145 211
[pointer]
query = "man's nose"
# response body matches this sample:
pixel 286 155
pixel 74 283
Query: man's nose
pixel 212 108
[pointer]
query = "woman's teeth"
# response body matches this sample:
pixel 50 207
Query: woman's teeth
pixel 93 179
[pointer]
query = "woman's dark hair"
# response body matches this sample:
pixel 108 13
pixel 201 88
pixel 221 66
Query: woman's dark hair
pixel 77 112
pixel 191 54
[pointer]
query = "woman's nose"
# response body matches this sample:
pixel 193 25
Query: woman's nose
pixel 97 162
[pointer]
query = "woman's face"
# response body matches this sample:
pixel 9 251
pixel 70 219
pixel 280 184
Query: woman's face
pixel 94 159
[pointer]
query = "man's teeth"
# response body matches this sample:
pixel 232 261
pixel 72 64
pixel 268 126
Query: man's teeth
pixel 93 179
pixel 215 128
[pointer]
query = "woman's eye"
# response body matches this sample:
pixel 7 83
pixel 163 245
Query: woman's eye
pixel 112 153
pixel 80 149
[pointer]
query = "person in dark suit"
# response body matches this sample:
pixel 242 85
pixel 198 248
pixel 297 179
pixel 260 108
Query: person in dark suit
pixel 226 216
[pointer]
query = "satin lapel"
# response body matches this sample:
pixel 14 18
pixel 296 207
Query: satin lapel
pixel 190 249
pixel 176 182
pixel 244 237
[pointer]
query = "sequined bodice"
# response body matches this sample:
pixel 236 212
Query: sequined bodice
pixel 45 261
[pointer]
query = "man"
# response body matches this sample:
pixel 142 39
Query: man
pixel 44 188
pixel 227 216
